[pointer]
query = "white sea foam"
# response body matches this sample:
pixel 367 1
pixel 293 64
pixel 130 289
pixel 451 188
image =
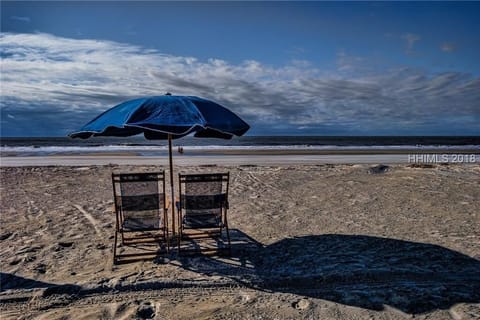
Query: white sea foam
pixel 152 149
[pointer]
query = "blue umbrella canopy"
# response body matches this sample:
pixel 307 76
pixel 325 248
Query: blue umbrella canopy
pixel 160 116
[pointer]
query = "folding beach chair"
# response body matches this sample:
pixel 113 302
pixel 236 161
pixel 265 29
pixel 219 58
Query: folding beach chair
pixel 203 205
pixel 141 212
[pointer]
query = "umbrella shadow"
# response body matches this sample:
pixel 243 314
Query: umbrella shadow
pixel 11 281
pixel 355 270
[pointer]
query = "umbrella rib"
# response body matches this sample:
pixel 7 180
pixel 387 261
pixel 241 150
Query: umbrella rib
pixel 151 129
pixel 182 133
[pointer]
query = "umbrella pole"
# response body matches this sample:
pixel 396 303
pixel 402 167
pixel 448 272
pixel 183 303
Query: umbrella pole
pixel 171 183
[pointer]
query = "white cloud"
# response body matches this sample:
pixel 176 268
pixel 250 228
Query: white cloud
pixel 447 47
pixel 53 77
pixel 22 19
pixel 410 38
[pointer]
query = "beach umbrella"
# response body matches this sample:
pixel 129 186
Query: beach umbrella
pixel 166 117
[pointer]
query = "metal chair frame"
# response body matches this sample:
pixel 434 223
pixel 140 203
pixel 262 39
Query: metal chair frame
pixel 117 180
pixel 207 232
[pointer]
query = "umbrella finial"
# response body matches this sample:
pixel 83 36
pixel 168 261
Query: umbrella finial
pixel 168 94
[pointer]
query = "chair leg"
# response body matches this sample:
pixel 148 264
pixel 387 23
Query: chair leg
pixel 167 243
pixel 228 233
pixel 115 248
pixel 179 239
pixel 123 239
pixel 228 239
pixel 165 231
pixel 180 229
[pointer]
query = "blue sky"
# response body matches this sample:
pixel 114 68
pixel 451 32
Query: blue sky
pixel 287 68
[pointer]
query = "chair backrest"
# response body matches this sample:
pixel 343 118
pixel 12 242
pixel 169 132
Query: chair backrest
pixel 139 199
pixel 203 194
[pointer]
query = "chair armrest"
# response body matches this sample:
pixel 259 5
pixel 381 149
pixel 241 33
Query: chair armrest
pixel 177 203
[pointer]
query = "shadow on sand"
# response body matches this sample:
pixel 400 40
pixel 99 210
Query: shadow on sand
pixel 355 270
pixel 12 281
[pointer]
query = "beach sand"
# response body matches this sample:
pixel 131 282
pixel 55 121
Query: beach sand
pixel 310 242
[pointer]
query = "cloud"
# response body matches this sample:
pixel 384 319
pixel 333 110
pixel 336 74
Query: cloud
pixel 61 83
pixel 22 19
pixel 351 64
pixel 410 38
pixel 447 47
pixel 296 51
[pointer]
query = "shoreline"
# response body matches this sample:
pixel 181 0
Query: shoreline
pixel 352 151
pixel 232 159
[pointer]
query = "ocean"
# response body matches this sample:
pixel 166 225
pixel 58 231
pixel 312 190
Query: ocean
pixel 40 146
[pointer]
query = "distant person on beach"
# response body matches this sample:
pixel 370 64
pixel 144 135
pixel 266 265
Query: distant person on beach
pixel 180 150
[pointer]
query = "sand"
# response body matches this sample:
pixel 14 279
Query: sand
pixel 310 242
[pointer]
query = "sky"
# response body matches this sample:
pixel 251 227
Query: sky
pixel 287 68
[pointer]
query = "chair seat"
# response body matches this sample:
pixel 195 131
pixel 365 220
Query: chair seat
pixel 143 224
pixel 201 220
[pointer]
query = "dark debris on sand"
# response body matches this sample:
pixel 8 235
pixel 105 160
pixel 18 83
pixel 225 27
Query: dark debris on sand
pixel 379 169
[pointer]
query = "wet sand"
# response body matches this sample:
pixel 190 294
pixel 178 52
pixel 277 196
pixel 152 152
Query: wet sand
pixel 310 241
pixel 242 158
